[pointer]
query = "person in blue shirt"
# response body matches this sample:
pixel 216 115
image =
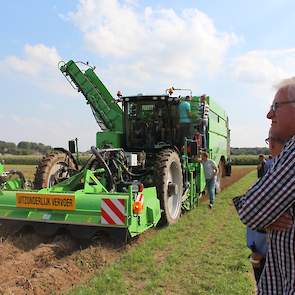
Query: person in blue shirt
pixel 268 163
pixel 256 240
pixel 257 243
pixel 185 114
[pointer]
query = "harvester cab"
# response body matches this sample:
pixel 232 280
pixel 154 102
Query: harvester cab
pixel 150 122
pixel 137 176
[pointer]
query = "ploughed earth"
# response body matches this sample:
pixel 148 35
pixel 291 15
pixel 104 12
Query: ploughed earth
pixel 33 264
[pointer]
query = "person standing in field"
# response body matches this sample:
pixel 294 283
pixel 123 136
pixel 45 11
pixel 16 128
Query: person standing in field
pixel 211 171
pixel 268 162
pixel 257 239
pixel 270 203
pixel 260 166
pixel 185 114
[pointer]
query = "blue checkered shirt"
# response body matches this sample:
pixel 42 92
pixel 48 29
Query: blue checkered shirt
pixel 264 203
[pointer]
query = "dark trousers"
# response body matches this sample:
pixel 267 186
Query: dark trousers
pixel 258 270
pixel 184 131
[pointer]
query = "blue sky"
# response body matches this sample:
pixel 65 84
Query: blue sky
pixel 234 51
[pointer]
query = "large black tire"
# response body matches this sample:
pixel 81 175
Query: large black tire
pixel 169 184
pixel 49 165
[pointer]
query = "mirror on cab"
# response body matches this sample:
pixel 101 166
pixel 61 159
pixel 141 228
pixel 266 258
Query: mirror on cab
pixel 72 146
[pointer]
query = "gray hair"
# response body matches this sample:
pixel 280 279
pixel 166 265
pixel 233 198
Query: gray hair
pixel 290 85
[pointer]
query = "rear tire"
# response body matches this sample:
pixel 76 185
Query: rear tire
pixel 54 163
pixel 169 183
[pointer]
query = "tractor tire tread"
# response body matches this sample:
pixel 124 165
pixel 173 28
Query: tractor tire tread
pixel 45 165
pixel 161 173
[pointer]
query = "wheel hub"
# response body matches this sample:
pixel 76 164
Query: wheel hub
pixel 172 189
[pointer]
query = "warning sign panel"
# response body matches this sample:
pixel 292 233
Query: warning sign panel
pixel 44 201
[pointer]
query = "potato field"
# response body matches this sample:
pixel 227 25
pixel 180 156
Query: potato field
pixel 204 253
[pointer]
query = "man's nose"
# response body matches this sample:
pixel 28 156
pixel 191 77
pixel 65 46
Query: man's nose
pixel 270 114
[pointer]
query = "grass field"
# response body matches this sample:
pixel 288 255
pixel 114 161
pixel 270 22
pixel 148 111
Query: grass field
pixel 244 159
pixel 20 159
pixel 27 170
pixel 204 253
pixel 34 159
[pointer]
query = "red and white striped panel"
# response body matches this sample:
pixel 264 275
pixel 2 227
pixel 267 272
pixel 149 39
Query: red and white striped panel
pixel 140 198
pixel 113 211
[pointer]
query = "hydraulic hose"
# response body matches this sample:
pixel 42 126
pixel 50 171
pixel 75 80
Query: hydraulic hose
pixel 130 173
pixel 107 168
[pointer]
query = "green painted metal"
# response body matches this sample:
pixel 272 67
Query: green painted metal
pixel 87 209
pixel 13 184
pixel 90 192
pixel 105 108
pixel 194 168
pixel 150 215
pixel 109 137
pixel 218 133
pixel 218 130
pixel 10 184
pixel 217 145
pixel 88 202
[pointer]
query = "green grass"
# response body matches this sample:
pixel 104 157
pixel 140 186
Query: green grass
pixel 204 253
pixel 30 159
pixel 20 159
pixel 244 159
pixel 34 159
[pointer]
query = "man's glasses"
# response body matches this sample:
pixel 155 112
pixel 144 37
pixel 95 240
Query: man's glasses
pixel 276 105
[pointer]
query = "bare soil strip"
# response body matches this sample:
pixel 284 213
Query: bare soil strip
pixel 31 264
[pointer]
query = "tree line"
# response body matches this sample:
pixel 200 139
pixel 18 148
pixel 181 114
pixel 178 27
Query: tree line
pixel 29 148
pixel 23 148
pixel 249 151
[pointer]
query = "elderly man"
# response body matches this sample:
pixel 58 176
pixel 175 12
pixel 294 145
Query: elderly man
pixel 257 240
pixel 270 203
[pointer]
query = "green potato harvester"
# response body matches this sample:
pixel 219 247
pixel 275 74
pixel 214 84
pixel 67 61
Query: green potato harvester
pixel 138 175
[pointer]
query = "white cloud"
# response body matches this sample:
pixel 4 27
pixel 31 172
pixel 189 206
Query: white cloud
pixel 39 65
pixel 264 67
pixel 153 42
pixel 36 58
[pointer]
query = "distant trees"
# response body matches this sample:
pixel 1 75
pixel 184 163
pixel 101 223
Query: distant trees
pixel 7 147
pixel 250 151
pixel 23 148
pixel 29 148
